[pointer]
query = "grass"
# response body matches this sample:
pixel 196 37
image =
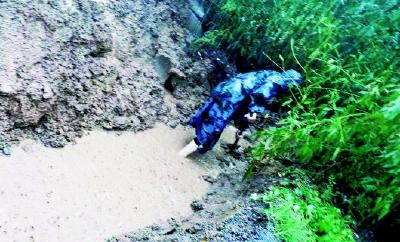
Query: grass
pixel 301 213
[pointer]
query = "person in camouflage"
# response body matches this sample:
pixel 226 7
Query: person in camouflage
pixel 239 99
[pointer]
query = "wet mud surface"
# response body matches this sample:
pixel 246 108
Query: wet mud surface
pixel 225 212
pixel 107 183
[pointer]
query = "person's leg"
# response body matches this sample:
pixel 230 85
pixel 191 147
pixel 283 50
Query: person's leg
pixel 209 127
pixel 238 136
pixel 188 149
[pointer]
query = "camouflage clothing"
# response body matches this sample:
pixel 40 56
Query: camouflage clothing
pixel 235 97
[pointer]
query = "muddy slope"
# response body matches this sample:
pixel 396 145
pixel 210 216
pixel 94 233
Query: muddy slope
pixel 70 65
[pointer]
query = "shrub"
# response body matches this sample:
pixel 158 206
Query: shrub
pixel 345 120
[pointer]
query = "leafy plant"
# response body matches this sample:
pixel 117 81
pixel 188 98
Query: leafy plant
pixel 300 213
pixel 345 120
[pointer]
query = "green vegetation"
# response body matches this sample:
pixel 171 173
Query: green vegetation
pixel 300 213
pixel 344 122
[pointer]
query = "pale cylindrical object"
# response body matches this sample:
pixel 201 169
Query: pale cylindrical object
pixel 188 149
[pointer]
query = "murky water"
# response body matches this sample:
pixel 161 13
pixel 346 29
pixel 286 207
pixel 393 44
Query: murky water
pixel 104 185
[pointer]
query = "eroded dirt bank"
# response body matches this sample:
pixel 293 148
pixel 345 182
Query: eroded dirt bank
pixel 70 65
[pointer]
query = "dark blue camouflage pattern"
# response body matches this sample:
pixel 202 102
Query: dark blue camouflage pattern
pixel 235 97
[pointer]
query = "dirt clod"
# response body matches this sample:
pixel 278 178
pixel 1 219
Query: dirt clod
pixel 197 205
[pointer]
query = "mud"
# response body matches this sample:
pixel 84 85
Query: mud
pixel 71 65
pixel 108 183
pixel 225 212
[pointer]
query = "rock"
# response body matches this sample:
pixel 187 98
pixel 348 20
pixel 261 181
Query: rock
pixel 194 229
pixel 197 7
pixel 170 231
pixel 121 122
pixel 209 178
pixel 178 73
pixel 196 16
pixel 6 88
pixel 39 130
pixel 197 205
pixel 47 92
pixel 194 24
pixel 6 151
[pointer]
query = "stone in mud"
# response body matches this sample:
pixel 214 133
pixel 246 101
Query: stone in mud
pixel 197 205
pixel 209 178
pixel 121 122
pixel 6 151
pixel 196 228
pixel 47 92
